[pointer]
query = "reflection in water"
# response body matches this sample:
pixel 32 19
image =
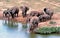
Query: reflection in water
pixel 32 35
pixel 11 29
pixel 24 26
pixel 11 24
pixel 43 36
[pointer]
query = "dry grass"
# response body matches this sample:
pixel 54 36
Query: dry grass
pixel 33 4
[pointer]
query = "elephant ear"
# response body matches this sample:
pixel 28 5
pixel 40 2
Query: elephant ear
pixel 45 9
pixel 27 8
pixel 49 12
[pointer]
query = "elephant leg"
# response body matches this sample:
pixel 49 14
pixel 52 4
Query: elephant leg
pixel 5 15
pixel 12 15
pixel 50 17
pixel 23 14
pixel 17 14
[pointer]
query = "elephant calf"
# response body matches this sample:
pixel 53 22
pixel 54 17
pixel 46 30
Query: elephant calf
pixel 43 18
pixel 6 12
pixel 47 16
pixel 24 10
pixel 36 13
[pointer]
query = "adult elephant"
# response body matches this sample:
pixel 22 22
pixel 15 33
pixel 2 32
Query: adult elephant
pixel 14 11
pixel 48 12
pixel 24 10
pixel 34 23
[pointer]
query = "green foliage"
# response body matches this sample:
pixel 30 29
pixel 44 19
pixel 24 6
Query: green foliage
pixel 7 0
pixel 52 22
pixel 48 30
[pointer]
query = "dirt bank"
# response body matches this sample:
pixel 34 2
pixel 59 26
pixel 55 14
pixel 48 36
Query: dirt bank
pixel 37 5
pixel 55 18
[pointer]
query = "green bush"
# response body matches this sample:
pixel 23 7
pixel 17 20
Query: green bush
pixel 7 0
pixel 52 22
pixel 48 30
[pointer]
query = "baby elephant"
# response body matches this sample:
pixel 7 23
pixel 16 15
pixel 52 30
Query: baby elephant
pixel 36 13
pixel 34 23
pixel 44 18
pixel 48 11
pixel 24 10
pixel 6 13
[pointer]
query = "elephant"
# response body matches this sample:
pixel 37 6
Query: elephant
pixel 24 10
pixel 43 18
pixel 36 13
pixel 34 23
pixel 6 12
pixel 48 11
pixel 14 11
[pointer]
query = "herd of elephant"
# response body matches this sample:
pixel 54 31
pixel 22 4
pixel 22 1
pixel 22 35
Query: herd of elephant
pixel 13 12
pixel 36 16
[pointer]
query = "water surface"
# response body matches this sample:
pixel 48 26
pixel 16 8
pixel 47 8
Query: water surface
pixel 11 29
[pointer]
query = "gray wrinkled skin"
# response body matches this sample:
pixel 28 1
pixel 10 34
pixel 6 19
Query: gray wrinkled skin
pixel 48 11
pixel 24 10
pixel 14 11
pixel 43 18
pixel 36 13
pixel 34 23
pixel 6 12
pixel 11 12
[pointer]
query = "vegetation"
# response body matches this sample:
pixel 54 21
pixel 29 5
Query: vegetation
pixel 48 30
pixel 52 22
pixel 7 0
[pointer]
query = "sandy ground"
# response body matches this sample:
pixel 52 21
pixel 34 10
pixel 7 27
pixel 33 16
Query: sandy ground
pixel 33 5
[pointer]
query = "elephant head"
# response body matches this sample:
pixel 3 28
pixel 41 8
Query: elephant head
pixel 48 11
pixel 24 10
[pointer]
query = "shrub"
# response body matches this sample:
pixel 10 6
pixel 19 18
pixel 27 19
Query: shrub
pixel 52 22
pixel 48 30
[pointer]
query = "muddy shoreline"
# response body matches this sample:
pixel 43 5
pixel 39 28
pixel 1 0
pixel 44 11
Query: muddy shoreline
pixel 55 18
